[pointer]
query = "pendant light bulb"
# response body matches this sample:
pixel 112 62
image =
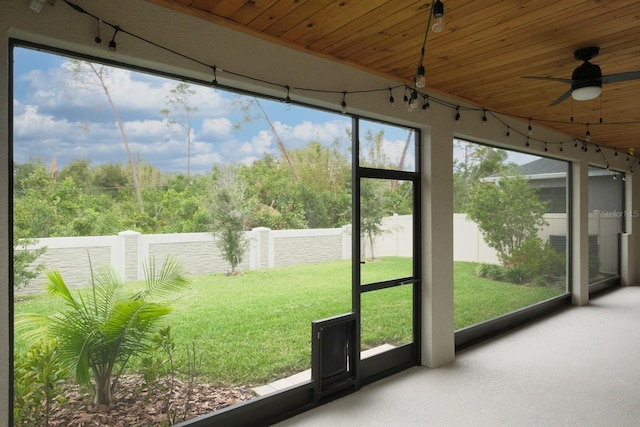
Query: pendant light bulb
pixel 420 78
pixel 438 14
pixel 413 102
pixel 587 136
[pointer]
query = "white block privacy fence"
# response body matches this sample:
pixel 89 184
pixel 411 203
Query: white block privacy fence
pixel 604 231
pixel 268 248
pixel 199 253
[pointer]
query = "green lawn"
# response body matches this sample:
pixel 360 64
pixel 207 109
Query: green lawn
pixel 255 328
pixel 477 300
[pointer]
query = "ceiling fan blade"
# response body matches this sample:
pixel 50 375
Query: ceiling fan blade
pixel 561 98
pixel 621 77
pixel 555 79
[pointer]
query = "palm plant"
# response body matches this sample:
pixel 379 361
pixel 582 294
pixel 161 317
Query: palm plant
pixel 98 332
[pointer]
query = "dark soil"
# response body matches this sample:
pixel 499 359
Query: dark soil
pixel 137 405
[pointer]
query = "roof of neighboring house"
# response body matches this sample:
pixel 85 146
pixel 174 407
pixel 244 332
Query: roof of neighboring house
pixel 546 168
pixel 543 166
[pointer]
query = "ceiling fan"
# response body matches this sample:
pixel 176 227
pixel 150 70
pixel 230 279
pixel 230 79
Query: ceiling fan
pixel 587 80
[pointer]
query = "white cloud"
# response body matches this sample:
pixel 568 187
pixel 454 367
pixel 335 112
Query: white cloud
pixel 130 91
pixel 31 123
pixel 217 129
pixel 393 150
pixel 301 134
pixel 259 145
pixel 146 129
pixel 54 118
pixel 206 160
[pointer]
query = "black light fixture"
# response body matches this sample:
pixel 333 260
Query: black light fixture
pixel 425 105
pixel 215 76
pixel 98 39
pixel 288 98
pixel 413 101
pixel 437 12
pixel 343 106
pixel 420 77
pixel 112 42
pixel 587 136
pixel 587 78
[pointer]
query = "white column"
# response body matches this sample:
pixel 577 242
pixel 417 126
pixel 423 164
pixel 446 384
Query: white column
pixel 259 247
pixel 438 340
pixel 4 232
pixel 131 261
pixel 580 233
pixel 632 216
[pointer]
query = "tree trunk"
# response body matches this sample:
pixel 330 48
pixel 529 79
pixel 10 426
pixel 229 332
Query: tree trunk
pixel 403 156
pixel 103 390
pixel 132 166
pixel 283 149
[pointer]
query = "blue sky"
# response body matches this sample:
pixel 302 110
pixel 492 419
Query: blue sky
pixel 54 117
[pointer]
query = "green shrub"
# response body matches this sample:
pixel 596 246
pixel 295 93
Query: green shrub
pixel 38 376
pixel 99 333
pixel 534 261
pixel 540 281
pixel 516 274
pixel 535 258
pixel 490 271
pixel 24 267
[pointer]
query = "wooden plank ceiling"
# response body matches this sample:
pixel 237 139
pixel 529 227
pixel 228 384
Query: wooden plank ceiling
pixel 480 57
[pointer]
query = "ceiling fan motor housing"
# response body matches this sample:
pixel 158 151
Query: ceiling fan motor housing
pixel 587 72
pixel 587 77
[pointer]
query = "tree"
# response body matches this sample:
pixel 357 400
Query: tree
pixel 86 75
pixel 24 270
pixel 98 332
pixel 372 152
pixel 508 212
pixel 48 207
pixel 228 213
pixel 371 212
pixel 245 106
pixel 325 184
pixel 477 162
pixel 79 170
pixel 272 196
pixel 180 101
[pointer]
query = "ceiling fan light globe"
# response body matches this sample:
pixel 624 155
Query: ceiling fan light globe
pixel 586 93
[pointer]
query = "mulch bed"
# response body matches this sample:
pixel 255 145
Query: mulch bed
pixel 136 405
